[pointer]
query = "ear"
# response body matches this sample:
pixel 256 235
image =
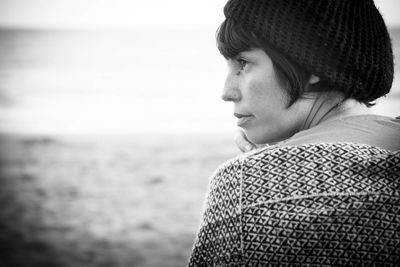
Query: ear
pixel 314 79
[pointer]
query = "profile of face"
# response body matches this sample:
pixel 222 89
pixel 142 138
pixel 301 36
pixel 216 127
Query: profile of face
pixel 260 100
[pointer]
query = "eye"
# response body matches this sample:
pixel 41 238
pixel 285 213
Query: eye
pixel 242 63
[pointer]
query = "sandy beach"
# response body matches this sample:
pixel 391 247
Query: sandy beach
pixel 104 200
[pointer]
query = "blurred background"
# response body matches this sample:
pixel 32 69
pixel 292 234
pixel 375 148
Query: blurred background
pixel 111 123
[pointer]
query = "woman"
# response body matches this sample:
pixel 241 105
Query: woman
pixel 325 190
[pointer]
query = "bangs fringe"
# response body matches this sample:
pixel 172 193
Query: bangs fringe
pixel 233 39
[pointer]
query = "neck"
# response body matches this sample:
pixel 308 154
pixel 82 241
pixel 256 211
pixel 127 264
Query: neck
pixel 332 105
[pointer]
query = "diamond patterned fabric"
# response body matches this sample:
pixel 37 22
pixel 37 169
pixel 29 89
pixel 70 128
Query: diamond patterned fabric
pixel 306 205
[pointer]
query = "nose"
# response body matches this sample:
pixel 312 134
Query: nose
pixel 231 91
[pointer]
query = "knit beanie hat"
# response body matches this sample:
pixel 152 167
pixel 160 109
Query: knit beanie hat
pixel 343 41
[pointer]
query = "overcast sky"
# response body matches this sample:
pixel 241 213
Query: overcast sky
pixel 111 13
pixel 131 13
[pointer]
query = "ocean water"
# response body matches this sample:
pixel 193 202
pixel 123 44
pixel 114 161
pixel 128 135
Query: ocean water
pixel 110 81
pixel 120 82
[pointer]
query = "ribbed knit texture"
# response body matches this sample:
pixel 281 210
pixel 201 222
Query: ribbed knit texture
pixel 307 205
pixel 345 41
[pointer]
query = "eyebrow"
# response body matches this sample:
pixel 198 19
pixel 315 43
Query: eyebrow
pixel 240 54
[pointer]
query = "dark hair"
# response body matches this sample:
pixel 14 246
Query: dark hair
pixel 232 39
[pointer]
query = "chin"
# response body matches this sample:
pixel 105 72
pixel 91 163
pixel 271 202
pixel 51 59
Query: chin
pixel 257 139
pixel 261 138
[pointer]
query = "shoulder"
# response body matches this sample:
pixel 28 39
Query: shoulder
pixel 284 154
pixel 297 169
pixel 311 151
pixel 260 199
pixel 278 172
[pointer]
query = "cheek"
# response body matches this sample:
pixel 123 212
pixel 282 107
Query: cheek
pixel 267 94
pixel 269 105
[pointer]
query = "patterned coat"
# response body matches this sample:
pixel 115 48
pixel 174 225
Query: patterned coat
pixel 305 205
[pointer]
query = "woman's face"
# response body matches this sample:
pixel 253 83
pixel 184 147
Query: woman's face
pixel 260 101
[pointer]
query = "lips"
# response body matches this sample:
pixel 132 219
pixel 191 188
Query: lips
pixel 243 118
